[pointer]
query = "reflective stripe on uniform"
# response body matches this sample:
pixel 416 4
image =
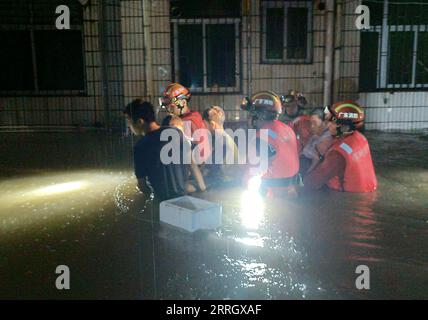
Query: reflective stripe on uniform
pixel 272 134
pixel 346 147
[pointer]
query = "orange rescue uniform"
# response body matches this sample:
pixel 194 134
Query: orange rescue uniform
pixel 196 122
pixel 284 160
pixel 347 166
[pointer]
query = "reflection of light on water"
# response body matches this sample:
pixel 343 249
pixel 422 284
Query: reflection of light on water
pixel 255 272
pixel 252 209
pixel 266 281
pixel 60 188
pixel 64 196
pixel 252 205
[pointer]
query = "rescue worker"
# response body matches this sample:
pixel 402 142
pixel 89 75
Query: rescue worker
pixel 281 175
pixel 347 165
pixel 293 104
pixel 164 181
pixel 295 116
pixel 176 99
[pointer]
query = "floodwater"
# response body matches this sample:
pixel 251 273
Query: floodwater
pixel 71 199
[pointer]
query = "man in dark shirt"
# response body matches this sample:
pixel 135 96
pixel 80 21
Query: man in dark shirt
pixel 165 181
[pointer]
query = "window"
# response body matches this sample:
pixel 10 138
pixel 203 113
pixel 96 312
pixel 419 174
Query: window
pixel 206 41
pixel 36 58
pixel 394 51
pixel 286 31
pixel 206 54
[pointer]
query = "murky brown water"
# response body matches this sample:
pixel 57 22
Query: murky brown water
pixel 70 198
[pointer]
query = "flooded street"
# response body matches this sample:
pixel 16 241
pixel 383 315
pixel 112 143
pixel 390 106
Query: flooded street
pixel 71 199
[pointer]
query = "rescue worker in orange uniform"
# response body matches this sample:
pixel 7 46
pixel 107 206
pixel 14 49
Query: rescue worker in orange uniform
pixel 281 176
pixel 347 166
pixel 176 99
pixel 295 116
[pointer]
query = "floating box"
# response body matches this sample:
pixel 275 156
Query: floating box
pixel 191 213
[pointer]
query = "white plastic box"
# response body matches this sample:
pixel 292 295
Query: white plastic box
pixel 191 213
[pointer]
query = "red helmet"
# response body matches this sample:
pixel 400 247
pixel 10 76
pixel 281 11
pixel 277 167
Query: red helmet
pixel 347 112
pixel 174 92
pixel 263 101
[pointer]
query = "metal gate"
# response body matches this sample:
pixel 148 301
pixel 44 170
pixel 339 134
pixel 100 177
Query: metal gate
pixel 390 65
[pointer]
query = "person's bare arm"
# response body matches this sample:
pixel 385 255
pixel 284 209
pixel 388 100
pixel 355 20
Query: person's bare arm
pixel 320 150
pixel 324 146
pixel 196 173
pixel 314 163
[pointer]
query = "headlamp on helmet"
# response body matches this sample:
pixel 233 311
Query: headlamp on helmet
pixel 264 105
pixel 294 96
pixel 173 93
pixel 246 104
pixel 263 101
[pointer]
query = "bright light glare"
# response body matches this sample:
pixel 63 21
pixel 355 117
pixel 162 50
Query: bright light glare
pixel 252 209
pixel 60 188
pixel 254 183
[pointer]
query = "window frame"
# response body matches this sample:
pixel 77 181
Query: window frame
pixel 32 28
pixel 383 58
pixel 309 41
pixel 204 22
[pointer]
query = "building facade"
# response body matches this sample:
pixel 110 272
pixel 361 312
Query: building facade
pixel 222 50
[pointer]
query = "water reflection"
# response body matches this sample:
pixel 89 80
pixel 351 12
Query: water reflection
pixel 59 188
pixel 363 230
pixel 83 209
pixel 44 198
pixel 252 209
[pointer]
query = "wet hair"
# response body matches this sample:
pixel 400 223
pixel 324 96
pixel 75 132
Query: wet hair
pixel 319 112
pixel 215 114
pixel 139 109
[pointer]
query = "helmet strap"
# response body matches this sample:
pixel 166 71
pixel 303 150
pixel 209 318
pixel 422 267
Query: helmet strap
pixel 181 107
pixel 177 103
pixel 341 133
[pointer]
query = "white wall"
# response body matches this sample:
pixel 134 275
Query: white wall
pixel 396 111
